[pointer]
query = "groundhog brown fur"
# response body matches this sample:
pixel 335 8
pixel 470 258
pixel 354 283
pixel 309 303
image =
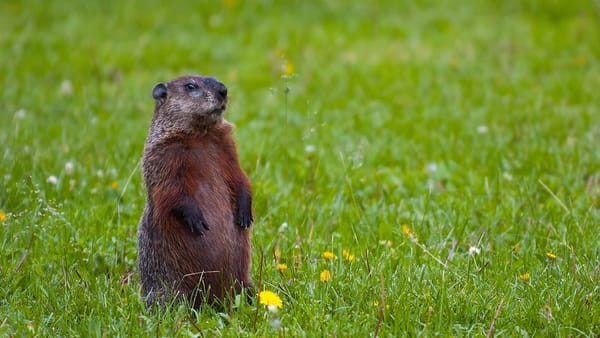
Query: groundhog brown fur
pixel 194 236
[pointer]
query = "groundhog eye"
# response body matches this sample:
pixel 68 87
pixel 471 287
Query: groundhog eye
pixel 191 86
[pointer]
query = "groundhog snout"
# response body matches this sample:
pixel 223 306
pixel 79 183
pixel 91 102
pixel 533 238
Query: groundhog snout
pixel 217 87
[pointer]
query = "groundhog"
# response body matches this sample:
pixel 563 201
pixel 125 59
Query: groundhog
pixel 194 236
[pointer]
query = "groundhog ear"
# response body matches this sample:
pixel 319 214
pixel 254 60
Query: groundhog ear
pixel 159 91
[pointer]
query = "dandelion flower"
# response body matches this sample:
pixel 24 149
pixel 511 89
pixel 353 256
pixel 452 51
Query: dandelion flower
pixel 66 88
pixel 309 148
pixel 387 243
pixel 551 255
pixel 375 303
pixel 2 216
pixel 52 179
pixel 517 248
pixel 328 255
pixel 347 255
pixel 282 267
pixel 114 184
pixel 524 277
pixel 482 129
pixel 407 231
pixel 269 299
pixel 287 68
pixel 69 168
pixel 230 3
pixel 277 253
pixel 581 60
pixel 20 114
pixel 325 276
pixel 473 250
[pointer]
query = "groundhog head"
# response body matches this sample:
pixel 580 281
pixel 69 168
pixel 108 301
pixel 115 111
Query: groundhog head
pixel 190 101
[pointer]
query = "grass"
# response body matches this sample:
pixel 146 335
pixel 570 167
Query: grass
pixel 475 125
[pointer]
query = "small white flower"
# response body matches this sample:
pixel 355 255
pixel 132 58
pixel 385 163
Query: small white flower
pixel 276 323
pixel 473 250
pixel 482 129
pixel 100 173
pixel 283 227
pixel 69 168
pixel 309 148
pixel 20 114
pixel 272 308
pixel 66 88
pixel 432 167
pixel 52 179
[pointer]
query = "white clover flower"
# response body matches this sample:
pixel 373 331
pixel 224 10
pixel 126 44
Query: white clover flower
pixel 20 114
pixel 473 250
pixel 52 179
pixel 432 167
pixel 310 148
pixel 66 88
pixel 69 168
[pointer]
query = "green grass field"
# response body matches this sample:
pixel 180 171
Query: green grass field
pixel 447 153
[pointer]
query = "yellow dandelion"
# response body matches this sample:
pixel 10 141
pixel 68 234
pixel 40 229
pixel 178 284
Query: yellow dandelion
pixel 524 277
pixel 325 276
pixel 407 231
pixel 375 303
pixel 277 253
pixel 287 68
pixel 551 255
pixel 2 216
pixel 328 255
pixel 347 255
pixel 114 184
pixel 280 53
pixel 230 3
pixel 517 248
pixel 387 243
pixel 270 298
pixel 282 267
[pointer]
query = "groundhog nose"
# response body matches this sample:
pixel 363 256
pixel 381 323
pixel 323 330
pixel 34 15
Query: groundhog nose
pixel 217 86
pixel 222 91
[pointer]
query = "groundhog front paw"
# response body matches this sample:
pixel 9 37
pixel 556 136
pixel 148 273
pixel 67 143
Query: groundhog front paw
pixel 244 219
pixel 244 208
pixel 192 217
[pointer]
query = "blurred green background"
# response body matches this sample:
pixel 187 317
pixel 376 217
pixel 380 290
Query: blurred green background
pixel 476 124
